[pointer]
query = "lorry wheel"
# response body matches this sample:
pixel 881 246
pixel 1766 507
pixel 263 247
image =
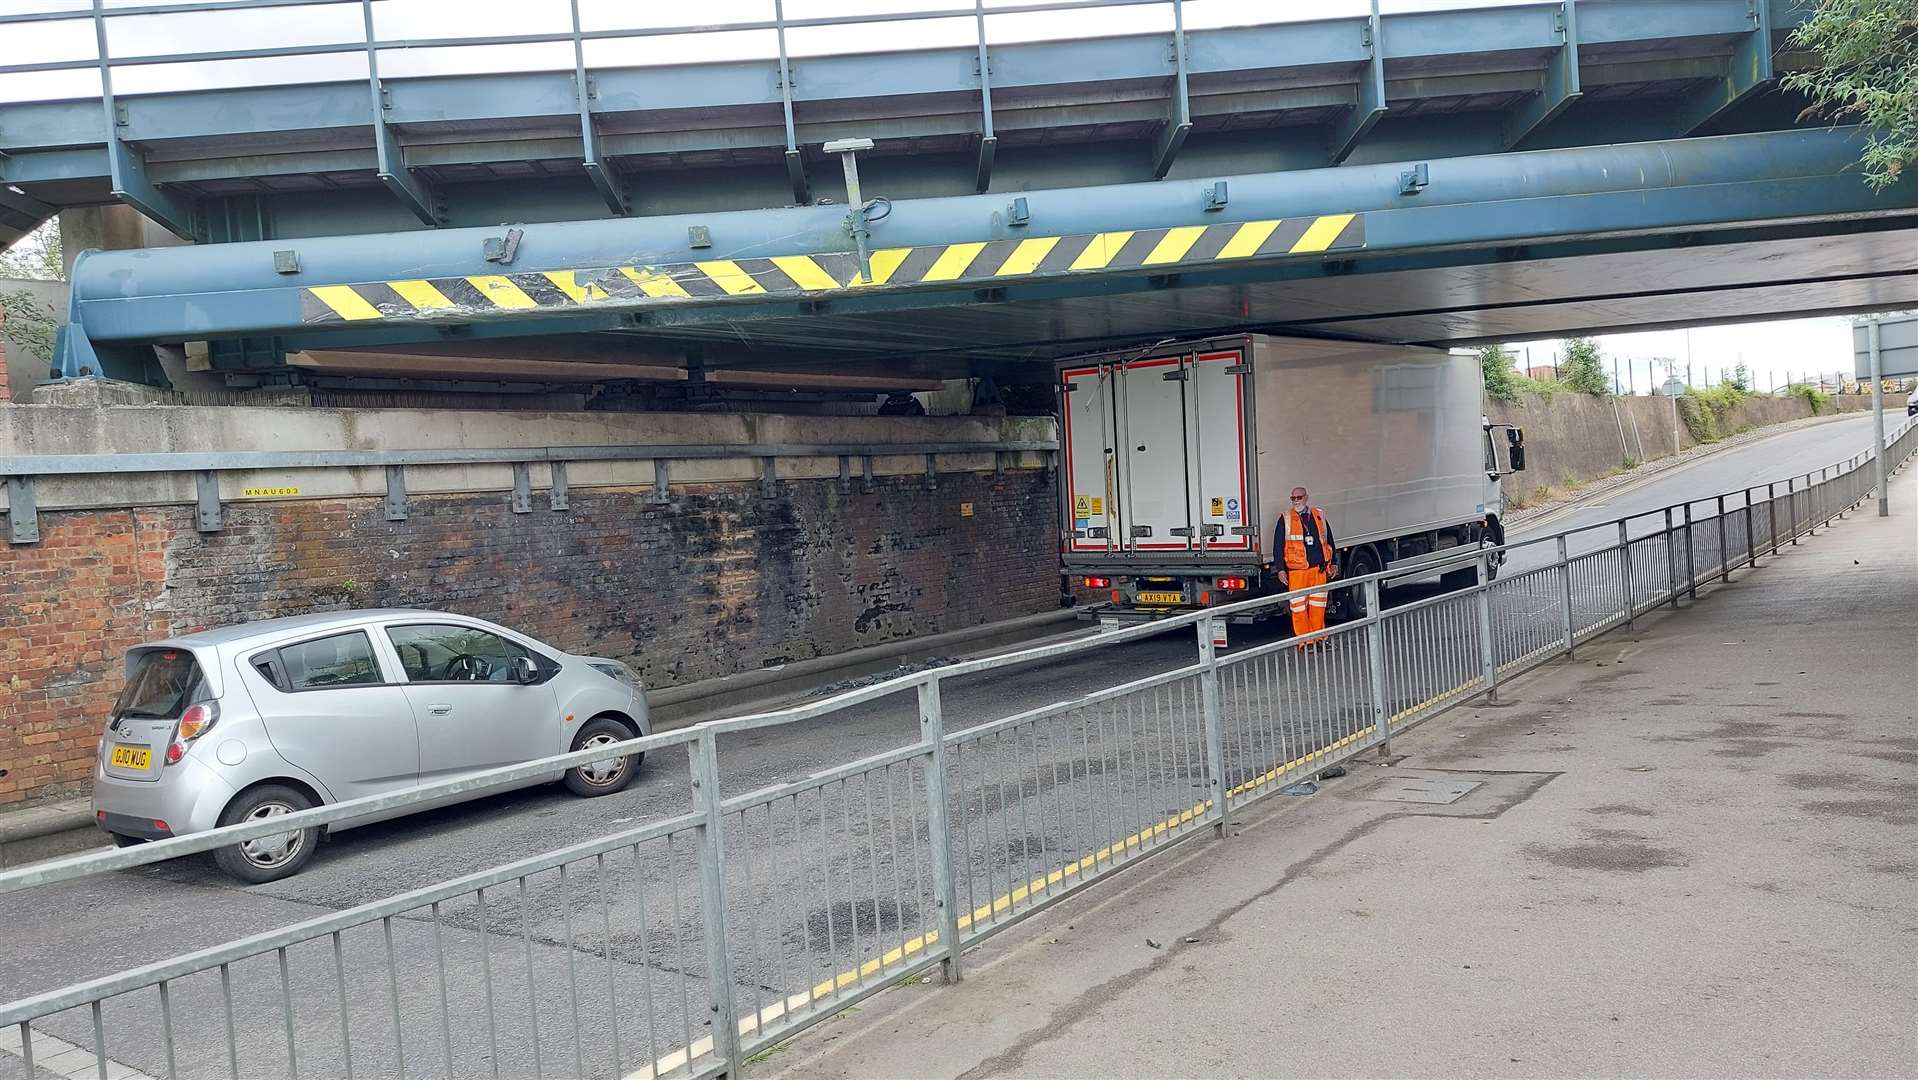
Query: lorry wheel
pixel 1348 604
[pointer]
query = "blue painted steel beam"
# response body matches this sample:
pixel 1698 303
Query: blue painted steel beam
pixel 126 171
pixel 611 188
pixel 19 214
pixel 1748 71
pixel 1371 105
pixel 418 196
pixel 1179 123
pixel 1561 86
pixel 988 140
pixel 1491 200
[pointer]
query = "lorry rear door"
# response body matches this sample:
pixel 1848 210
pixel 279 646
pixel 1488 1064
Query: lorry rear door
pixel 1091 477
pixel 1155 490
pixel 1215 403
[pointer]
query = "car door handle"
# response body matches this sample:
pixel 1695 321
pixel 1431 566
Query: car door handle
pixel 439 710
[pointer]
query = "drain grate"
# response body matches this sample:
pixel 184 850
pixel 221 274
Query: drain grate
pixel 1421 789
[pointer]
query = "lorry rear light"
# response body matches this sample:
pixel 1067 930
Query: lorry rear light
pixel 1204 597
pixel 1098 582
pixel 1232 584
pixel 1118 597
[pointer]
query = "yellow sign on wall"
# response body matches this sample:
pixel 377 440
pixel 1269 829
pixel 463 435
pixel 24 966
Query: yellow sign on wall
pixel 965 509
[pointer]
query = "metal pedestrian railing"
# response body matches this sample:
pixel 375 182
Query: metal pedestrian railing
pixel 685 946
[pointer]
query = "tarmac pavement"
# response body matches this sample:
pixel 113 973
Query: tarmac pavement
pixel 1686 852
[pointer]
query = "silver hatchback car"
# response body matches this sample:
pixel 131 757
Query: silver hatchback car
pixel 262 719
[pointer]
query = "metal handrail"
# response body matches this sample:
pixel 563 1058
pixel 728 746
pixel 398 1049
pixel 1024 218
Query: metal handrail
pixel 367 43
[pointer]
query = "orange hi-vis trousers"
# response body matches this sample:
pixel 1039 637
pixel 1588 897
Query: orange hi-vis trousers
pixel 1308 611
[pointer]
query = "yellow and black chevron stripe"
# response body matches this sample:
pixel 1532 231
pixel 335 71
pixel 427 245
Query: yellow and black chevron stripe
pixel 973 263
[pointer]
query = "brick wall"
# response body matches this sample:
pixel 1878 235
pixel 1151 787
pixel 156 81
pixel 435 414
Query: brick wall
pixel 718 580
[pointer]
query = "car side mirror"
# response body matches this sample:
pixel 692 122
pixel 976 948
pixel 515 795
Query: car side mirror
pixel 525 672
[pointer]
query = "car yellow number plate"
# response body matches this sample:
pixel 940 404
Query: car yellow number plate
pixel 1161 598
pixel 132 757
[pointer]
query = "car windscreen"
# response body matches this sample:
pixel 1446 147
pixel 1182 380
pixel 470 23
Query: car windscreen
pixel 161 684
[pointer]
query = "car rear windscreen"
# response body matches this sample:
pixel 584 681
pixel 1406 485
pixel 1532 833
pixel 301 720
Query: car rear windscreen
pixel 162 683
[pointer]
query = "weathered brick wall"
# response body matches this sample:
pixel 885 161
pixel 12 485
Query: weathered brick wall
pixel 718 580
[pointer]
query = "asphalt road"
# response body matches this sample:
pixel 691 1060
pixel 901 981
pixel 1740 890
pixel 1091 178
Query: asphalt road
pixel 611 959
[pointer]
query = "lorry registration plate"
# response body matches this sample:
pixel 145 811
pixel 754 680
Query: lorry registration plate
pixel 1161 598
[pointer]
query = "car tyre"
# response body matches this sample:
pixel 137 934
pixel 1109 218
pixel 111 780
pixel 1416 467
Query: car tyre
pixel 602 778
pixel 267 858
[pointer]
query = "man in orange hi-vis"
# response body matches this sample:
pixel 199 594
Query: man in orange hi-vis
pixel 1308 554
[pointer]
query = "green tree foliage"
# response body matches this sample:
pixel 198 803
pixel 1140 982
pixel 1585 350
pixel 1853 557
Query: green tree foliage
pixel 1501 378
pixel 1583 369
pixel 1867 74
pixel 1740 380
pixel 28 322
pixel 37 256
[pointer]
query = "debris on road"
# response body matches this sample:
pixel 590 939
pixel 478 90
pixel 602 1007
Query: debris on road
pixel 1303 787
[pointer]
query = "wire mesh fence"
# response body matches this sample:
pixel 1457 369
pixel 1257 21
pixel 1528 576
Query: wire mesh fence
pixel 684 946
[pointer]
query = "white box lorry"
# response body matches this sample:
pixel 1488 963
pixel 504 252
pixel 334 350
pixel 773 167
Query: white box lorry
pixel 1180 457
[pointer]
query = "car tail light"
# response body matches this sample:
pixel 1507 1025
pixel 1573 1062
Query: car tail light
pixel 193 723
pixel 197 719
pixel 1232 584
pixel 1098 583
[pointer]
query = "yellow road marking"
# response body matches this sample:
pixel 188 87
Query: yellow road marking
pixel 805 273
pixel 954 261
pixel 1174 244
pixel 1026 257
pixel 345 303
pixel 652 284
pixel 1246 241
pixel 727 275
pixel 502 292
pixel 567 281
pixel 1102 250
pixel 421 294
pixel 1322 233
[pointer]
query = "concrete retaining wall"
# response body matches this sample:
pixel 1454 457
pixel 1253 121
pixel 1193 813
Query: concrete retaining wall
pixel 1572 439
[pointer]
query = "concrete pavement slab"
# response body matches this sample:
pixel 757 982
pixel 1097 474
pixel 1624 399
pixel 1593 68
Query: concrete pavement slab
pixel 1686 852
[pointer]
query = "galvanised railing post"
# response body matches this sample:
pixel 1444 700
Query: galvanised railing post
pixel 1725 551
pixel 1487 654
pixel 1214 725
pixel 703 756
pixel 1375 660
pixel 1625 570
pixel 1771 512
pixel 1751 535
pixel 1691 557
pixel 1791 497
pixel 1565 592
pixel 1671 559
pixel 945 890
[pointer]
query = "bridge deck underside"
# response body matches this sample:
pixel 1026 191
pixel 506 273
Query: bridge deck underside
pixel 1463 304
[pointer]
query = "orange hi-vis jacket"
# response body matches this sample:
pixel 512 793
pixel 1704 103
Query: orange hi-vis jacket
pixel 1306 548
